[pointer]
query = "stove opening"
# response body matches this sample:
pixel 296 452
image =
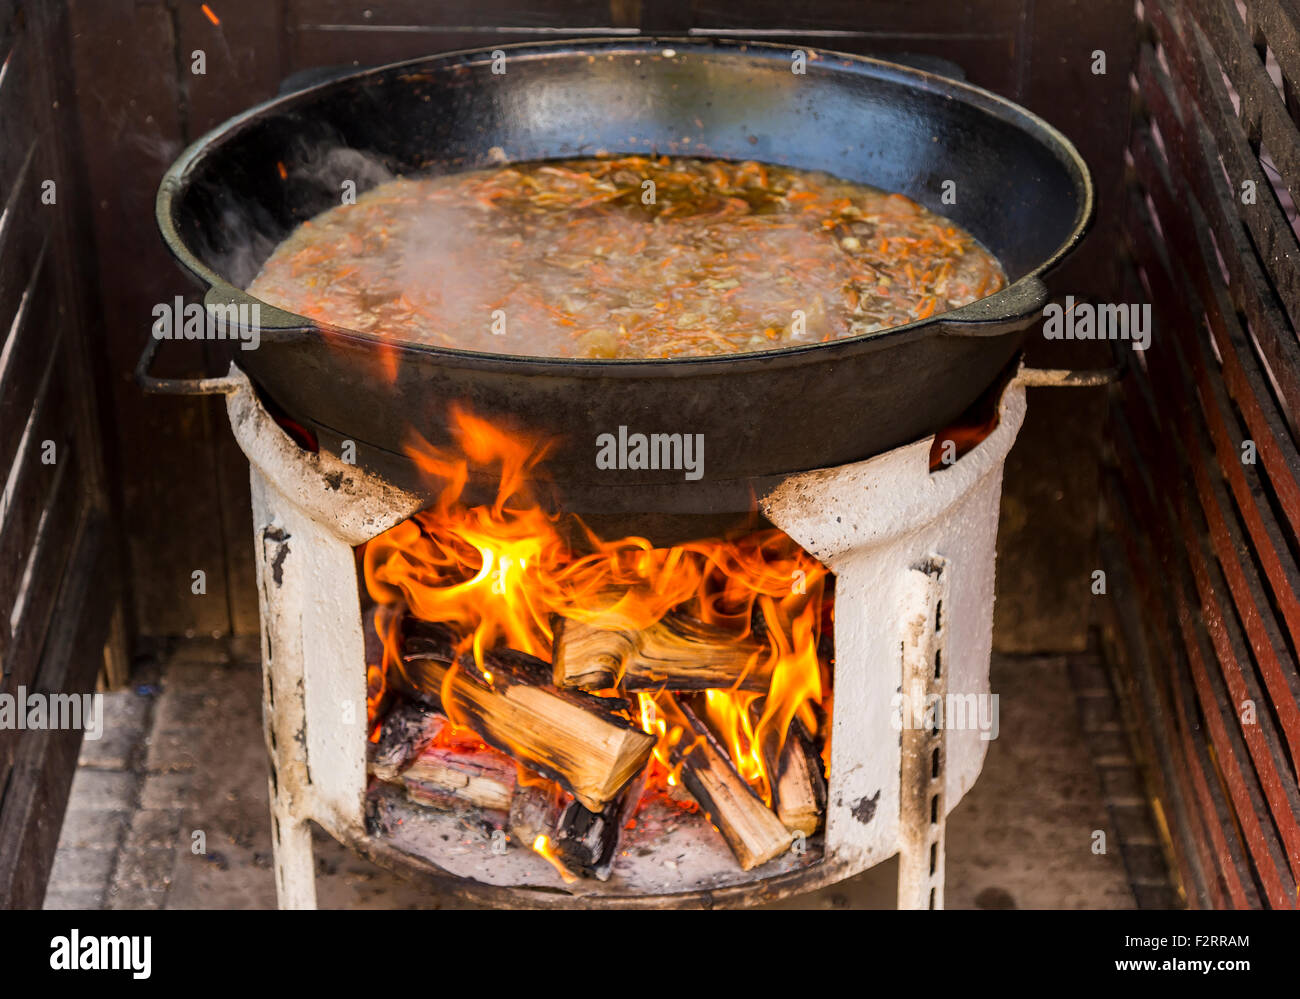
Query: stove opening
pixel 551 708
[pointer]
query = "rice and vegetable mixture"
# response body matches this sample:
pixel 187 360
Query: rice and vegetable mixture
pixel 626 257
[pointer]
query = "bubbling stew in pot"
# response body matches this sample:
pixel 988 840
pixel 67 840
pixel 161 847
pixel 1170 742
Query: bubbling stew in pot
pixel 626 257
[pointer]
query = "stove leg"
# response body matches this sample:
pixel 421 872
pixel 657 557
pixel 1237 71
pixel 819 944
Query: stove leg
pixel 923 809
pixel 282 594
pixel 295 864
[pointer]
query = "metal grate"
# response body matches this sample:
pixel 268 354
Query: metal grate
pixel 1203 495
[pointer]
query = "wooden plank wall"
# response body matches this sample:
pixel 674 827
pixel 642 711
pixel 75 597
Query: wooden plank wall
pixel 1203 489
pixel 183 485
pixel 132 96
pixel 56 534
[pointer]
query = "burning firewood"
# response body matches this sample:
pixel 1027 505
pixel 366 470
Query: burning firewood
pixel 406 731
pixel 798 784
pixel 443 777
pixel 750 828
pixel 677 652
pixel 583 841
pixel 587 841
pixel 578 740
pixel 439 776
pixel 534 812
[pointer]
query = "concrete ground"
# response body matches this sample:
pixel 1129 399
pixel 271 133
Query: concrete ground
pixel 169 809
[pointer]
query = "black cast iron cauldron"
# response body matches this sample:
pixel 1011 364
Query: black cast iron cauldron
pixel 1021 189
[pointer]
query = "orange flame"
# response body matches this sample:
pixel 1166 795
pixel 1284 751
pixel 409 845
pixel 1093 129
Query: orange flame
pixel 543 846
pixel 497 572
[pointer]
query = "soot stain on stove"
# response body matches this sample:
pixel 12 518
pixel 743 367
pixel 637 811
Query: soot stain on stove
pixel 864 809
pixel 277 564
pixel 281 538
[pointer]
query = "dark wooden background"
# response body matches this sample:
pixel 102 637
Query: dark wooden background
pixel 1202 497
pixel 183 484
pixel 58 542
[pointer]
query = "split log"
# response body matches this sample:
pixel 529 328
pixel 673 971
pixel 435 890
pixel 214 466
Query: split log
pixel 444 777
pixel 588 841
pixel 578 740
pixel 677 652
pixel 436 641
pixel 750 828
pixel 405 733
pixel 798 783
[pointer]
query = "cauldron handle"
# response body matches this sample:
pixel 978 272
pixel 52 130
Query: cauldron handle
pixel 268 320
pixel 1071 378
pixel 177 386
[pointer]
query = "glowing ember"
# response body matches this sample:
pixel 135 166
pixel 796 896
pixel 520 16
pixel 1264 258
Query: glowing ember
pixel 497 574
